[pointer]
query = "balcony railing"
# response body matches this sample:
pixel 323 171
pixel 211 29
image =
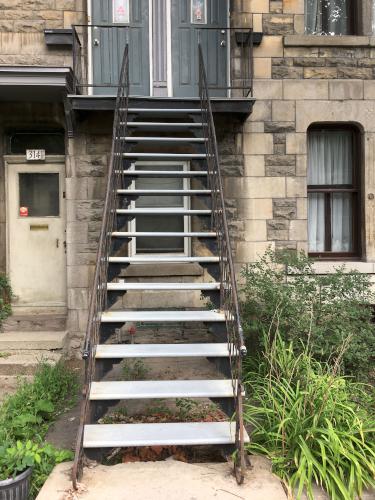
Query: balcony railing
pixel 94 75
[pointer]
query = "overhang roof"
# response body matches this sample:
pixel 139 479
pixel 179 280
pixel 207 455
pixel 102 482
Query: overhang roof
pixel 35 83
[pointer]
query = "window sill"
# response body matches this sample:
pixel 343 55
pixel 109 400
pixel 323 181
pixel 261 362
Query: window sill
pixel 328 41
pixel 329 266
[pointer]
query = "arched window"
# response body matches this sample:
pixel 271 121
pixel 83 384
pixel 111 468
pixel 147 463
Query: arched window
pixel 334 191
pixel 331 17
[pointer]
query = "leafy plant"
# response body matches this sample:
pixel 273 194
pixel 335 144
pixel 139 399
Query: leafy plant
pixel 305 420
pixel 134 370
pixel 5 298
pixel 325 310
pixel 16 458
pixel 29 412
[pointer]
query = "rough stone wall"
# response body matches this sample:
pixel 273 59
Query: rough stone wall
pixel 299 80
pixel 87 162
pixel 22 25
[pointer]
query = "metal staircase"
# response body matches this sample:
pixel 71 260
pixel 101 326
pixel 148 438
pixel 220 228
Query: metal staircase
pixel 132 143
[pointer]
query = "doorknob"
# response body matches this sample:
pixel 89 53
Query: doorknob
pixel 96 42
pixel 223 43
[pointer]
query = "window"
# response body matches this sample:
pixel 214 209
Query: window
pixel 53 142
pixel 330 17
pixel 39 194
pixel 333 192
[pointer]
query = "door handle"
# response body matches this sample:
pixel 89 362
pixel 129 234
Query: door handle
pixel 57 243
pixel 223 43
pixel 96 42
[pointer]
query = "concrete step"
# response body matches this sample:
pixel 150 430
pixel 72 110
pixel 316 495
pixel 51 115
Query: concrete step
pixel 170 434
pixel 25 362
pixel 45 341
pixel 35 322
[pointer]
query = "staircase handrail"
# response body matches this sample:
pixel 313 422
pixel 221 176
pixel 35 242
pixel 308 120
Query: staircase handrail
pixel 99 288
pixel 228 285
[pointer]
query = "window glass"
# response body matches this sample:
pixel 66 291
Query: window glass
pixel 121 12
pixel 328 17
pixel 39 194
pixel 332 191
pixel 199 11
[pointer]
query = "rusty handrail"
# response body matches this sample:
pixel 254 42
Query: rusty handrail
pixel 228 286
pixel 98 301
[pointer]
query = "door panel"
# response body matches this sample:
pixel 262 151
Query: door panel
pixel 108 46
pixel 36 236
pixel 214 41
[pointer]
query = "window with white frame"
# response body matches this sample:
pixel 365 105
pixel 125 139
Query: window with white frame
pixel 333 191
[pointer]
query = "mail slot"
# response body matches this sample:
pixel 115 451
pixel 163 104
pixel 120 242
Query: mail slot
pixel 38 227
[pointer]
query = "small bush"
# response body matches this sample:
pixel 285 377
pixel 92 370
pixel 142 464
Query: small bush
pixel 29 412
pixel 5 298
pixel 305 421
pixel 26 416
pixel 325 311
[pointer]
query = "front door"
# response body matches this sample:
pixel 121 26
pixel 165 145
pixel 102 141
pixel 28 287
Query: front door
pixel 36 236
pixel 176 27
pixel 127 21
pixel 205 21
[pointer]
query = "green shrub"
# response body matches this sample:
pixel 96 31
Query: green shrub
pixel 25 418
pixel 5 298
pixel 29 412
pixel 306 422
pixel 325 311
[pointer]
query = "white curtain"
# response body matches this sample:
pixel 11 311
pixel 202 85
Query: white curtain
pixel 326 17
pixel 330 160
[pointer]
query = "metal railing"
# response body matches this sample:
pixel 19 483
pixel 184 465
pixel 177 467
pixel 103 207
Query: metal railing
pixel 98 301
pixel 228 287
pixel 89 36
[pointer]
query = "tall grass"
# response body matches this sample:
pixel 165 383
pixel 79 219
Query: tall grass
pixel 306 421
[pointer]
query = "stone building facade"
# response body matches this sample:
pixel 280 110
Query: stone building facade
pixel 300 80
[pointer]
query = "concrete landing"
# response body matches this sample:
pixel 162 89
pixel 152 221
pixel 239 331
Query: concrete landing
pixel 167 480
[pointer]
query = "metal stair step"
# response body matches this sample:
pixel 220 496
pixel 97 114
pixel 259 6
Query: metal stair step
pixel 144 234
pixel 164 173
pixel 160 389
pixel 163 124
pixel 164 110
pixel 161 211
pixel 122 351
pixel 162 286
pixel 160 259
pixel 163 139
pixel 162 316
pixel 166 156
pixel 177 434
pixel 165 192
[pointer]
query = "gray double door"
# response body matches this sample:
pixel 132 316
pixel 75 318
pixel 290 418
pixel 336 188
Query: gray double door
pixel 163 54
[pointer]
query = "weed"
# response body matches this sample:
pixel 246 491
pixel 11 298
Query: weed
pixel 134 370
pixel 4 355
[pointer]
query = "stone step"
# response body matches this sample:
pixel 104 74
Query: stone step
pixel 34 323
pixel 25 362
pixel 45 341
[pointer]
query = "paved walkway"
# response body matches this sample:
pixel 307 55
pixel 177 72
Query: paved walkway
pixel 167 480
